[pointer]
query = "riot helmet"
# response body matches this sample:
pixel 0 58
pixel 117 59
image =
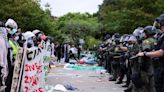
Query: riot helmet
pixel 39 35
pixel 107 37
pixel 160 20
pixel 132 38
pixel 117 38
pixel 2 24
pixel 149 30
pixel 27 35
pixel 11 26
pixel 50 38
pixel 139 33
pixel 123 38
pixel 35 32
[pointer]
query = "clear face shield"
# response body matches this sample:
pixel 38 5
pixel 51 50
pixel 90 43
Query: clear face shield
pixel 158 34
pixel 141 34
pixel 125 40
pixel 121 39
pixel 132 40
pixel 113 37
pixel 156 25
pixel 108 41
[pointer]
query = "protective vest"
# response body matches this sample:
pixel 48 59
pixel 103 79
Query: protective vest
pixel 14 47
pixel 149 44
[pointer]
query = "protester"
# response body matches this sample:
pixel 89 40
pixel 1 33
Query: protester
pixel 58 50
pixel 11 40
pixel 79 49
pixel 72 54
pixel 66 52
pixel 3 57
pixel 12 28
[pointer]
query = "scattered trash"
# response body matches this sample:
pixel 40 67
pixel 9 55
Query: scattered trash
pixel 60 87
pixel 60 65
pixel 49 88
pixel 66 65
pixel 71 61
pixel 81 61
pixel 90 62
pixel 87 59
pixel 68 68
pixel 78 76
pixel 93 76
pixel 103 72
pixel 69 87
pixel 78 67
pixel 99 80
pixel 53 66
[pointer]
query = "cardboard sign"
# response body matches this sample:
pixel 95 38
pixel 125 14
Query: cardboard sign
pixel 35 66
pixel 32 72
pixel 46 58
pixel 18 65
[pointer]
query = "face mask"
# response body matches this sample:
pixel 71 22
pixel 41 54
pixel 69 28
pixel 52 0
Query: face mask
pixel 12 31
pixel 117 42
pixel 44 38
pixel 16 38
pixel 39 37
pixel 113 43
pixel 130 45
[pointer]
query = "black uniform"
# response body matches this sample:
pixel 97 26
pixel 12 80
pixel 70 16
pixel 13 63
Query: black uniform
pixel 159 67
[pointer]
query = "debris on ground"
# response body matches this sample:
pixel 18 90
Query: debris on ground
pixel 79 67
pixel 60 87
pixel 69 87
pixel 49 88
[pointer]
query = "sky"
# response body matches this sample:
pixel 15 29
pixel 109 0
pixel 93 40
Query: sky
pixel 62 7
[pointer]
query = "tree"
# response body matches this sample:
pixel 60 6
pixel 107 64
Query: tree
pixel 29 15
pixel 124 16
pixel 76 26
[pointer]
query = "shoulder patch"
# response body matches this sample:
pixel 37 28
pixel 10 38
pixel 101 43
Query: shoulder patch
pixel 155 43
pixel 146 42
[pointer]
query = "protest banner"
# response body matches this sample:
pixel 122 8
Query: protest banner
pixel 46 58
pixel 18 65
pixel 32 80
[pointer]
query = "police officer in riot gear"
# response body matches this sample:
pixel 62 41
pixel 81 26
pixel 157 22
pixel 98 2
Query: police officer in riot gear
pixel 107 58
pixel 159 52
pixel 145 74
pixel 115 52
pixel 139 34
pixel 132 49
pixel 123 58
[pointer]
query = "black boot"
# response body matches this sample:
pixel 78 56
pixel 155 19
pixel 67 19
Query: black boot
pixel 119 82
pixel 128 90
pixel 126 85
pixel 112 79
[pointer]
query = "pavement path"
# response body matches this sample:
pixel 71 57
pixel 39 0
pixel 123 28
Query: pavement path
pixel 84 80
